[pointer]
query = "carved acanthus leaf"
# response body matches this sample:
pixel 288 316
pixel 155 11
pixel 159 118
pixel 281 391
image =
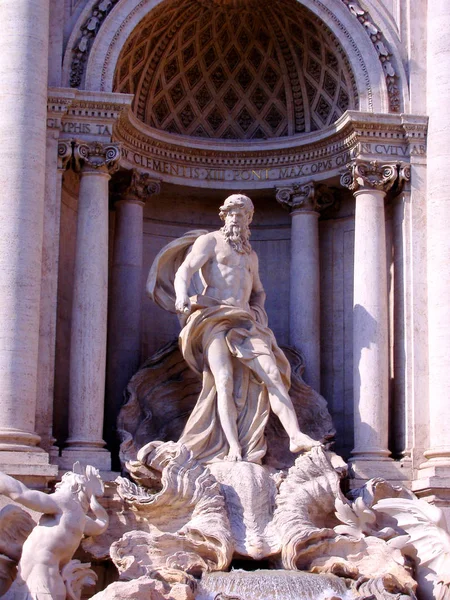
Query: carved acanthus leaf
pixel 135 185
pixel 380 44
pixel 88 32
pixel 308 196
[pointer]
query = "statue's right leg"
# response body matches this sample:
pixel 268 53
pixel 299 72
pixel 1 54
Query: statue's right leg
pixel 220 363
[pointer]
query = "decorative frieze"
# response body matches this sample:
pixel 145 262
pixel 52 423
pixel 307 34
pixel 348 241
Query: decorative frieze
pixel 356 135
pixel 308 196
pixel 88 32
pixel 381 46
pixel 96 156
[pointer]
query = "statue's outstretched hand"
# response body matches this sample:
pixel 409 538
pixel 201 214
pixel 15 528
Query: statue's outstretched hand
pixel 183 304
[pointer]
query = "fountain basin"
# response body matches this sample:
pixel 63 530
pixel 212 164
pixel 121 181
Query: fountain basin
pixel 271 585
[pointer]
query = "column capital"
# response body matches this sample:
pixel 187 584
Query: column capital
pixel 306 197
pixel 96 156
pixel 65 153
pixel 368 175
pixel 133 185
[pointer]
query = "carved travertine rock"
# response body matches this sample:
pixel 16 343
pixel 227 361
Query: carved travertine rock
pixel 190 520
pixel 145 588
pixel 46 568
pixel 428 542
pixel 15 527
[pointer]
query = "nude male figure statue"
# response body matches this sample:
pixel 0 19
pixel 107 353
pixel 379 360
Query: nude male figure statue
pixel 229 271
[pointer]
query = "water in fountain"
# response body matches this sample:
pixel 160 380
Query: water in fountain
pixel 272 585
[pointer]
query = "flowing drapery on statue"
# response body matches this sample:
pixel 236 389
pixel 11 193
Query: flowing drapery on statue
pixel 246 334
pixel 212 281
pixel 246 339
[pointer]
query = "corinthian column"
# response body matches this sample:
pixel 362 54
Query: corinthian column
pixel 304 203
pixel 23 111
pixel 89 313
pixel 132 190
pixel 369 182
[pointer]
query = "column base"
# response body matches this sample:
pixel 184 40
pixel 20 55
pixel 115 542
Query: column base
pixel 18 440
pixel 32 467
pixel 97 457
pixel 433 485
pixel 395 472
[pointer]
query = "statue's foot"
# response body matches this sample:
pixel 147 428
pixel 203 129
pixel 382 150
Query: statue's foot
pixel 302 443
pixel 235 454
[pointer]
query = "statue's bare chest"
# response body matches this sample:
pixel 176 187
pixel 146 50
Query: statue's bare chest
pixel 229 258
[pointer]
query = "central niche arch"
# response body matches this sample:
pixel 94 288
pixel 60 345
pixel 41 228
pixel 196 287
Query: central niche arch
pixel 234 70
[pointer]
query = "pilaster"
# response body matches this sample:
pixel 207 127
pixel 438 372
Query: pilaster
pixel 58 156
pixel 433 478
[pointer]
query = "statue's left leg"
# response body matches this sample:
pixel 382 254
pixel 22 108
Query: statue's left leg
pixel 266 369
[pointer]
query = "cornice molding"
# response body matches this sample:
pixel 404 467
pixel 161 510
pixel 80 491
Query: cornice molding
pixel 318 156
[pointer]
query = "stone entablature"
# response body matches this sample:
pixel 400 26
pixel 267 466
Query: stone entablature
pixel 261 164
pixel 99 116
pixel 85 115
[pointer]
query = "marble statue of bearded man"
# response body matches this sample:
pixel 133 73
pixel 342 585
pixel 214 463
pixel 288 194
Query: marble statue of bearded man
pixel 211 279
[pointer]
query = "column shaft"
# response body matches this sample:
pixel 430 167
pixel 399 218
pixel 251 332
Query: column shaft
pixel 304 312
pixel 304 202
pixel 23 110
pixel 90 297
pixel 132 189
pixel 370 327
pixel 370 181
pixel 124 319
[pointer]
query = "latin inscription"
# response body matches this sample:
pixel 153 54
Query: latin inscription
pixel 250 174
pixel 86 128
pixel 276 173
pixel 389 150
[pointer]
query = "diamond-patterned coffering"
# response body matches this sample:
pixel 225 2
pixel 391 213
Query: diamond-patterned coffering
pixel 215 118
pixel 244 78
pixel 204 70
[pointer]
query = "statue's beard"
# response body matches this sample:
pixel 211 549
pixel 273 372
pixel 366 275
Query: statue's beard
pixel 237 237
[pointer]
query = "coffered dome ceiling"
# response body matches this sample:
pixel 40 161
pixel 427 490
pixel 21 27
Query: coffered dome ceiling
pixel 235 69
